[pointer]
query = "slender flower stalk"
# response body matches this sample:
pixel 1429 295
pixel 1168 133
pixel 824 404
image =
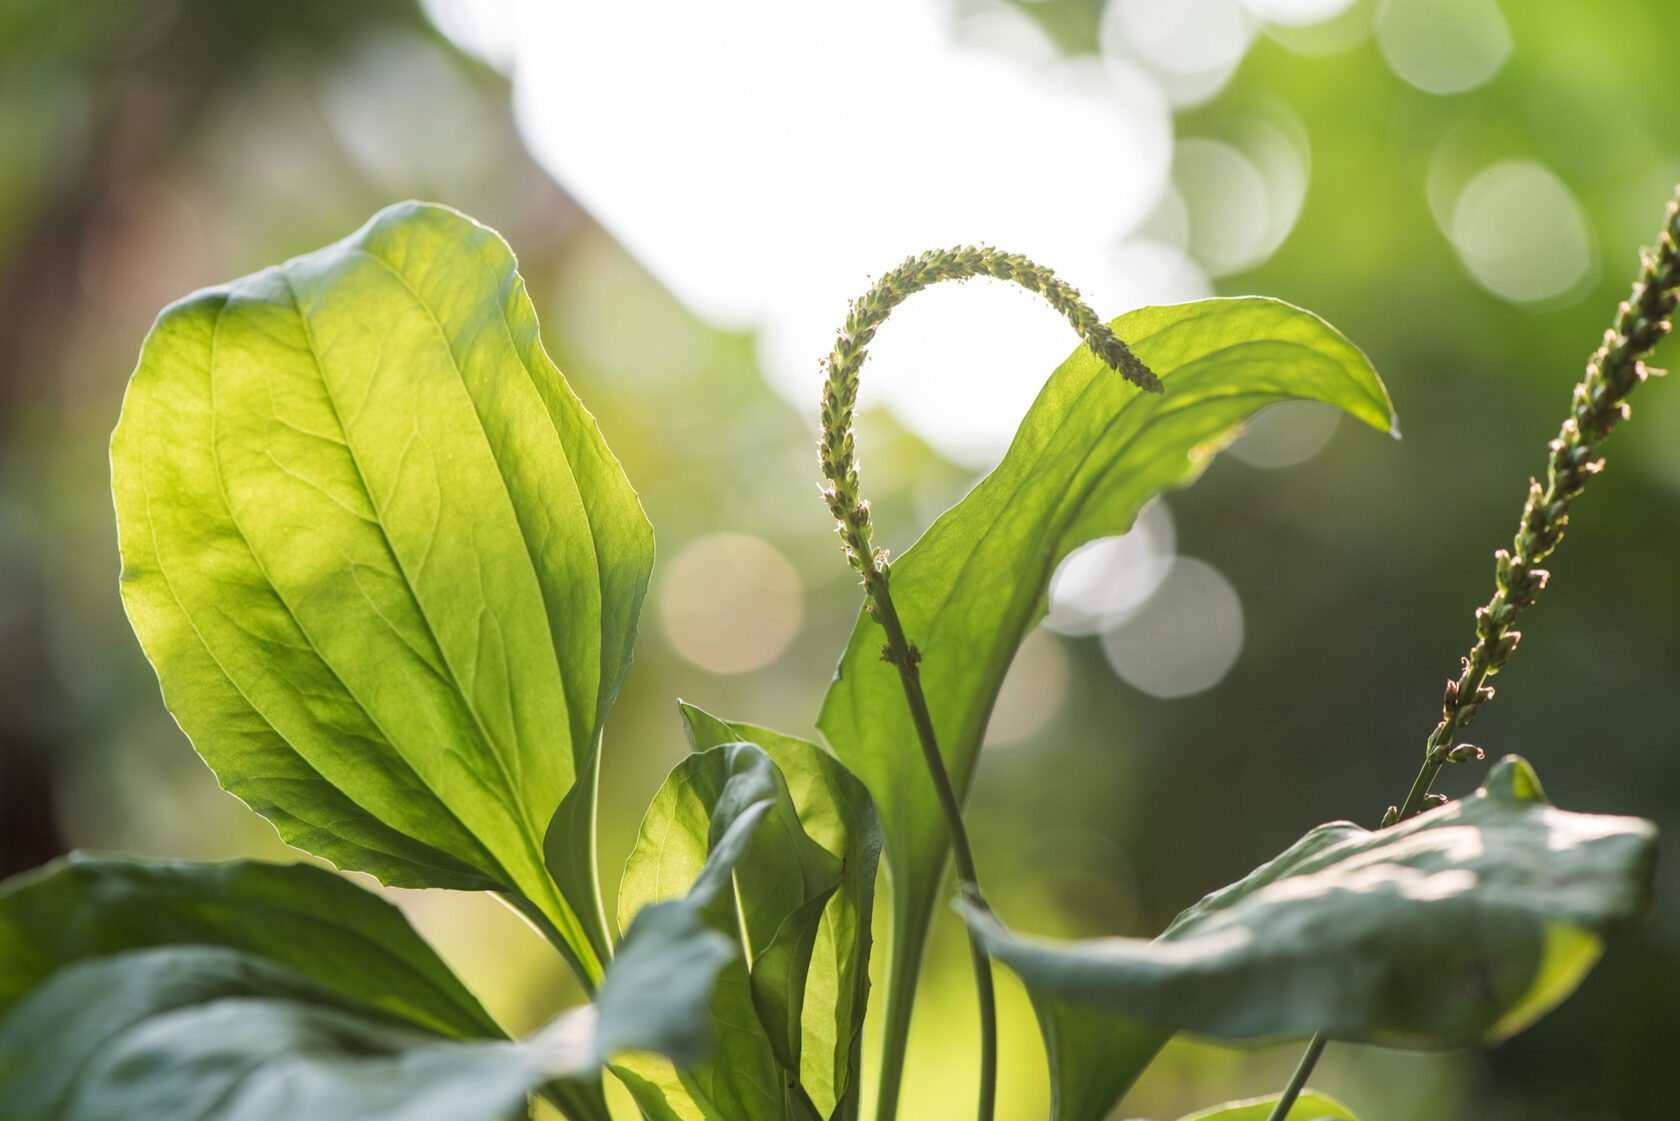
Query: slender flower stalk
pixel 1597 405
pixel 851 515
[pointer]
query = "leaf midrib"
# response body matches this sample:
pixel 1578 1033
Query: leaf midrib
pixel 530 548
pixel 508 798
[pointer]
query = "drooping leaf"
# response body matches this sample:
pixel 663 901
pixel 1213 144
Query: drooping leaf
pixel 836 811
pixel 306 918
pixel 1308 1107
pixel 657 993
pixel 1460 926
pixel 217 1033
pixel 1090 452
pixel 384 564
pixel 753 1073
pixel 213 1034
pixel 1095 1056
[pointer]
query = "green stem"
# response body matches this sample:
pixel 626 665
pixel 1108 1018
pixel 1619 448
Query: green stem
pixel 851 515
pixel 905 657
pixel 1298 1080
pixel 1597 405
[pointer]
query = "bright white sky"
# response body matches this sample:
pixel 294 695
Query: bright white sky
pixel 765 158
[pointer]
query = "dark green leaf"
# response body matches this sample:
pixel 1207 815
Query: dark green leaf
pixel 835 811
pixel 306 918
pixel 751 1075
pixel 214 1033
pixel 1091 451
pixel 1308 1107
pixel 384 564
pixel 1460 926
pixel 1095 1056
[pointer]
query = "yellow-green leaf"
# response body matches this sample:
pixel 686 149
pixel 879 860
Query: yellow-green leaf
pixel 1090 452
pixel 384 564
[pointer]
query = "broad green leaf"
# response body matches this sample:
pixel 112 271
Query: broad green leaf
pixel 836 811
pixel 657 993
pixel 217 1033
pixel 199 1033
pixel 1091 451
pixel 1460 926
pixel 214 1034
pixel 780 875
pixel 305 918
pixel 384 564
pixel 1094 1056
pixel 1308 1107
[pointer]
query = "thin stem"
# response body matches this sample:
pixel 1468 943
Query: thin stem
pixel 1596 406
pixel 851 516
pixel 906 658
pixel 1286 1100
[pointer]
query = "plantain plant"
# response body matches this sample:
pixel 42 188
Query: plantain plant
pixel 389 575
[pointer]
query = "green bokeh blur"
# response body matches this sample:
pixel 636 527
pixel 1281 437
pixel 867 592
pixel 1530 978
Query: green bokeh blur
pixel 153 147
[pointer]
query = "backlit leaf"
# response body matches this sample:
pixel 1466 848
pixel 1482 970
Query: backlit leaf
pixel 835 810
pixel 384 564
pixel 753 1073
pixel 1090 452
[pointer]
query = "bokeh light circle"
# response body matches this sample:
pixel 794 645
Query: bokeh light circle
pixel 1101 583
pixel 1185 639
pixel 731 603
pixel 1443 46
pixel 1520 232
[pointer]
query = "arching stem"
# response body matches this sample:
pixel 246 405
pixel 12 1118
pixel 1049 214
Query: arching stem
pixel 851 515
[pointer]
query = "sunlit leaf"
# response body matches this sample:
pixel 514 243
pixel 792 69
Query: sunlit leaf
pixel 835 810
pixel 384 564
pixel 296 915
pixel 1460 926
pixel 1308 1107
pixel 753 1072
pixel 1091 451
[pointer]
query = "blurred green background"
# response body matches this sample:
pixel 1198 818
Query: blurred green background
pixel 1474 182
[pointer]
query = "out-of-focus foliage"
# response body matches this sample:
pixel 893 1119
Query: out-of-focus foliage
pixel 135 173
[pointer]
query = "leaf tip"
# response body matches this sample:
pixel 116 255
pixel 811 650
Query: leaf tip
pixel 1513 779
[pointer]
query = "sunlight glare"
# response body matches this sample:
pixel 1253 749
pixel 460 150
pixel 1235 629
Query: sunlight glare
pixel 764 160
